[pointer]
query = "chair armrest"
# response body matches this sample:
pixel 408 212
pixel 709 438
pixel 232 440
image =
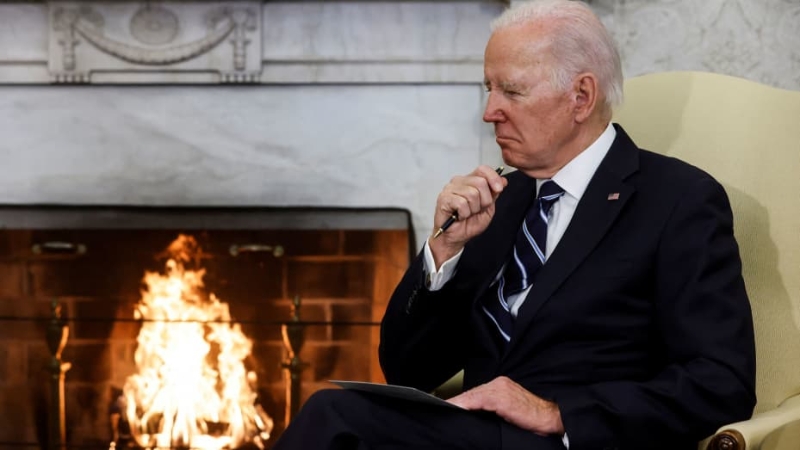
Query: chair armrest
pixel 749 434
pixel 784 438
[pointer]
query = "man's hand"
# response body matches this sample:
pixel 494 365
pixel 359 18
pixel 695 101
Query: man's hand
pixel 471 198
pixel 515 404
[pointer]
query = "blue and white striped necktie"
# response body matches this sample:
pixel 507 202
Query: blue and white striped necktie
pixel 527 258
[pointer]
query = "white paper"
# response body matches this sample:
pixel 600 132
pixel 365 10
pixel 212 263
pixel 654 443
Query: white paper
pixel 390 390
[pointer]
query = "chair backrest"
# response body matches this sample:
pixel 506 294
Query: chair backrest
pixel 747 136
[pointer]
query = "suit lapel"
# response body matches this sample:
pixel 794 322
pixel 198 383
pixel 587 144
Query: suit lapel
pixel 593 217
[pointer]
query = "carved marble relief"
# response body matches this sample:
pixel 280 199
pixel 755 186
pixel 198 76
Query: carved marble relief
pixel 166 41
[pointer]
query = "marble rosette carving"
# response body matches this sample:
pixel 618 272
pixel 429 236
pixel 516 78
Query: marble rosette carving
pixel 155 42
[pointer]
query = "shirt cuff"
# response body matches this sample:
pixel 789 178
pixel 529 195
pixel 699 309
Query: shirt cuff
pixel 435 279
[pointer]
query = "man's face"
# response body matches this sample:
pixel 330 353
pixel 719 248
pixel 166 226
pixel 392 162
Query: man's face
pixel 533 122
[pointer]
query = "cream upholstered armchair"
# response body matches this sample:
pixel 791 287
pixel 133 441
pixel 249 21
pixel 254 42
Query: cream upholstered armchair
pixel 746 135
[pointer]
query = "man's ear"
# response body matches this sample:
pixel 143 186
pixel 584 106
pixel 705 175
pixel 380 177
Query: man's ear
pixel 586 93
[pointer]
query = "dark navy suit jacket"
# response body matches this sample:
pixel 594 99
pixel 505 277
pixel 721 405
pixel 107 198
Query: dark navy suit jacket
pixel 638 326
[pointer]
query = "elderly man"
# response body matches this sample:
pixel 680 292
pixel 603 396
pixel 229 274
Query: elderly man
pixel 593 298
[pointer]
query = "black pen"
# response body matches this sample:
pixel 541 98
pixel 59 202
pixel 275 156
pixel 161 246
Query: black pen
pixel 454 216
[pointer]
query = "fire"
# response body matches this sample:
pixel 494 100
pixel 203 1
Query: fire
pixel 192 389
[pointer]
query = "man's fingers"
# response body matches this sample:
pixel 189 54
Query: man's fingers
pixel 465 206
pixel 496 182
pixel 477 197
pixel 450 203
pixel 467 400
pixel 475 191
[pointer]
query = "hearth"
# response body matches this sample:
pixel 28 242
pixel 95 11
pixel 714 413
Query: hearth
pixel 308 283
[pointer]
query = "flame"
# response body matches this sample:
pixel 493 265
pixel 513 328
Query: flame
pixel 192 388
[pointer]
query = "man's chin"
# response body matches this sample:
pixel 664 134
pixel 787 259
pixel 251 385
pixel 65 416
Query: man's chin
pixel 510 157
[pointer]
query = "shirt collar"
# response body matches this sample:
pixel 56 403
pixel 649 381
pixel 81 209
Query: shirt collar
pixel 575 176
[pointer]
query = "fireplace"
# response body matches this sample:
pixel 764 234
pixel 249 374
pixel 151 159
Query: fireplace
pixel 323 275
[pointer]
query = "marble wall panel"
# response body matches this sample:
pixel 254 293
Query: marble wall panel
pixel 392 145
pixel 753 39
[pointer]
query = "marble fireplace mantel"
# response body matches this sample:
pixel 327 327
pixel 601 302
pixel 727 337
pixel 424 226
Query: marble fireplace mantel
pixel 193 103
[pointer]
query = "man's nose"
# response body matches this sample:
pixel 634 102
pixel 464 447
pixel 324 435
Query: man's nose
pixel 493 112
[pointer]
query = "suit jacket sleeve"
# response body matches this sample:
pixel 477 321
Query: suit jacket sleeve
pixel 423 332
pixel 705 324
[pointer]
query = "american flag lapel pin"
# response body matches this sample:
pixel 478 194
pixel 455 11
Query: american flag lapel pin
pixel 613 196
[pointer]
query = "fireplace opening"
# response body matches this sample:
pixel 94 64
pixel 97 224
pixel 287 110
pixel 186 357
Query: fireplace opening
pixel 276 302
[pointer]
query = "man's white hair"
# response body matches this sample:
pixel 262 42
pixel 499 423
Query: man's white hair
pixel 582 44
